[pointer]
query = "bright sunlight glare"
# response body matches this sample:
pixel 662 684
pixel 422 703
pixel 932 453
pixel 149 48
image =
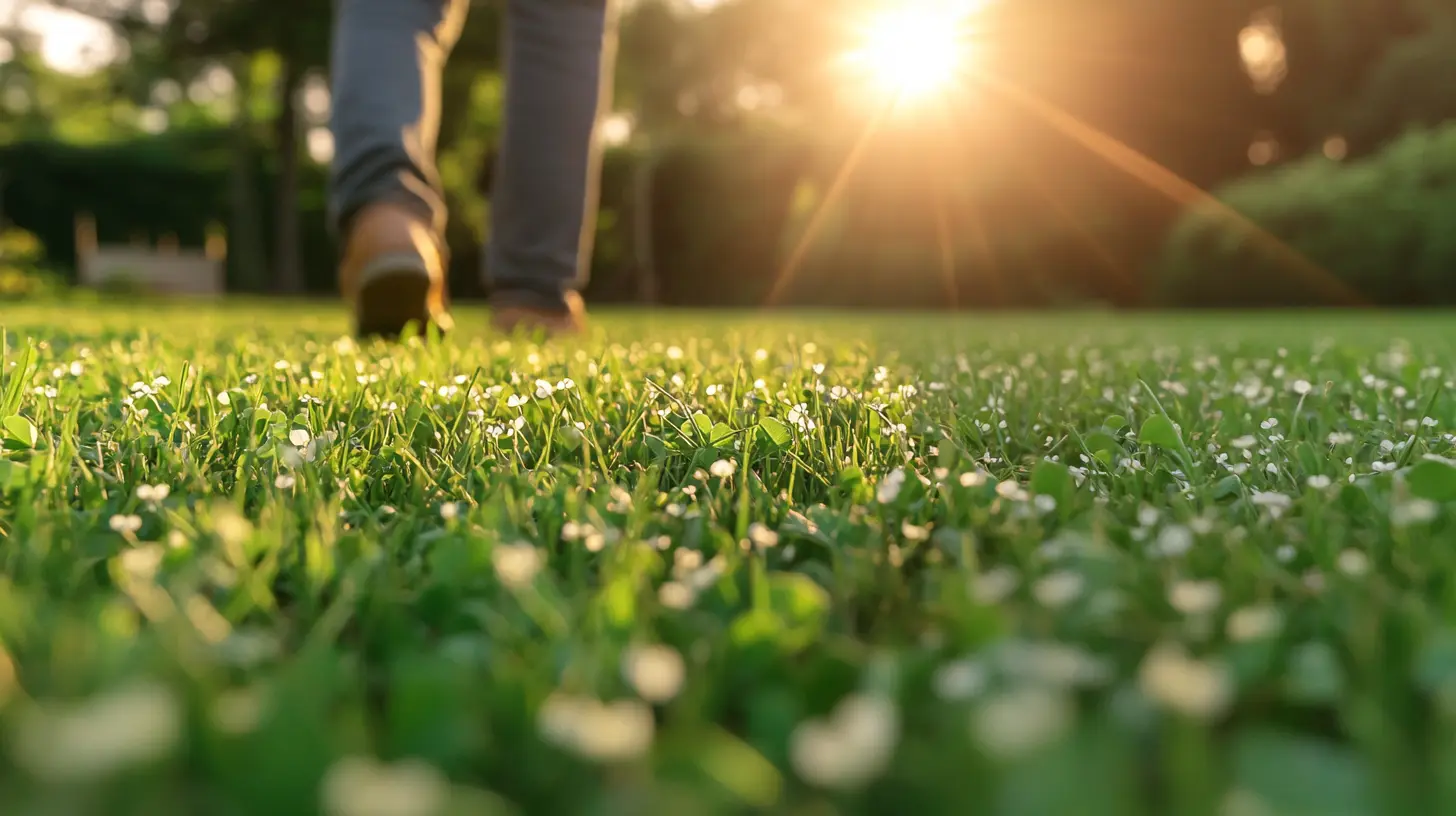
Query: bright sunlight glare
pixel 914 50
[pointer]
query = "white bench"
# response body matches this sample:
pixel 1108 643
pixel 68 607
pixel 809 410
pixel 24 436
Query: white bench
pixel 164 269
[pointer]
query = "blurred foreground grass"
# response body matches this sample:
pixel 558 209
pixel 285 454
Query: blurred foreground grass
pixel 695 563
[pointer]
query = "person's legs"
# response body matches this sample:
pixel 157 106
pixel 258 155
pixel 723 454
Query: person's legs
pixel 385 201
pixel 559 56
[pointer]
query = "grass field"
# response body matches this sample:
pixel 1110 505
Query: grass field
pixel 701 564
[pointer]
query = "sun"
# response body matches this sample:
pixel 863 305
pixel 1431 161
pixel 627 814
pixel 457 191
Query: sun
pixel 917 50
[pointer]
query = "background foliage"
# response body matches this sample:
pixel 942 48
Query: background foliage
pixel 1064 176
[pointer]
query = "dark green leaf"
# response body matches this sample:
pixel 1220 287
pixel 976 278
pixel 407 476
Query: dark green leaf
pixel 1159 430
pixel 775 431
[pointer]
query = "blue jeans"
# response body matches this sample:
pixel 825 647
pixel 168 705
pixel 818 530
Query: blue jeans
pixel 387 60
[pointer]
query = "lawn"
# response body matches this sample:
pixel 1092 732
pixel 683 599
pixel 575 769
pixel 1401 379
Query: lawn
pixel 698 563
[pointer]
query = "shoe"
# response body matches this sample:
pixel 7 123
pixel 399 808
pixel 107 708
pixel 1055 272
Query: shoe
pixel 568 321
pixel 393 273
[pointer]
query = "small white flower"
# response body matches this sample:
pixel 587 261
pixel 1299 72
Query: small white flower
pixel 676 595
pixel 1058 589
pixel 284 481
pixel 1275 503
pixel 1195 688
pixel 299 437
pixel 516 564
pixel 1413 511
pixel 1174 541
pixel 613 732
pixel 960 680
pixel 973 478
pixel 761 536
pixel 1270 423
pixel 849 749
pixel 889 488
pixel 449 511
pixel 126 524
pixel 1015 723
pixel 1353 563
pixel 1244 442
pixel 121 729
pixel 1302 387
pixel 723 468
pixel 1318 482
pixel 995 585
pixel 1383 467
pixel 142 563
pixel 1253 623
pixel 358 786
pixel 153 493
pixel 1195 597
pixel 655 672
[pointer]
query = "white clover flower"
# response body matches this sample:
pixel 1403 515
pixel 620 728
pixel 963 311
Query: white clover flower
pixel 761 536
pixel 889 487
pixel 1194 688
pixel 960 680
pixel 1195 597
pixel 142 563
pixel 1253 623
pixel 676 595
pixel 1412 512
pixel 723 468
pixel 1017 722
pixel 153 493
pixel 974 478
pixel 1383 467
pixel 125 728
pixel 995 585
pixel 1318 482
pixel 1353 563
pixel 1058 589
pixel 850 748
pixel 613 732
pixel 1174 541
pixel 449 511
pixel 1275 503
pixel 126 524
pixel 358 786
pixel 299 437
pixel 516 564
pixel 284 481
pixel 656 673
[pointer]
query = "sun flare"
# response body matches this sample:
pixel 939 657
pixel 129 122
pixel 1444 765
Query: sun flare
pixel 915 50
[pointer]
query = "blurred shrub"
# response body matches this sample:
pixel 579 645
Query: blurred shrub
pixel 1411 87
pixel 22 273
pixel 1384 226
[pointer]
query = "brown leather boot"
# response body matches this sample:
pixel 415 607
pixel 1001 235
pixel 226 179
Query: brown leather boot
pixel 570 321
pixel 393 273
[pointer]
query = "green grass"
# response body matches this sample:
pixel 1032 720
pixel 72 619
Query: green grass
pixel 813 564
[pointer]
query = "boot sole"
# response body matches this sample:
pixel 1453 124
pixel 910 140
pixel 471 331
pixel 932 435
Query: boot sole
pixel 395 292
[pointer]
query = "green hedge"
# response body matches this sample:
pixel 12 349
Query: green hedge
pixel 1383 227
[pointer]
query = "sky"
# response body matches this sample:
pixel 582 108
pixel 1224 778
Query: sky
pixel 70 42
